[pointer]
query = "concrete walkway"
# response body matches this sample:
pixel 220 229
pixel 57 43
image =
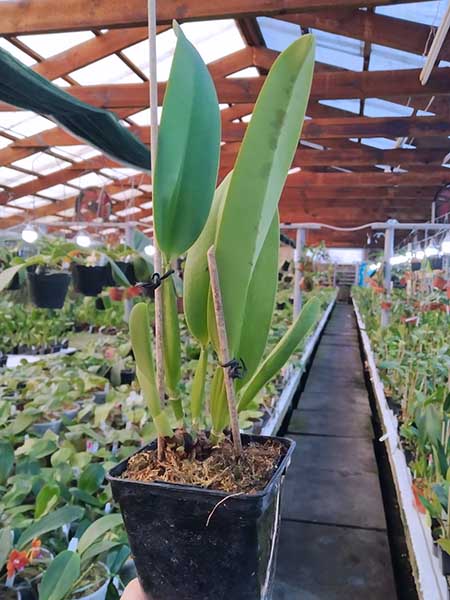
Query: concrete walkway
pixel 333 542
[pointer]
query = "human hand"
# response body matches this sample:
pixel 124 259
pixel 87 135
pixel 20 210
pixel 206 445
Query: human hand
pixel 134 591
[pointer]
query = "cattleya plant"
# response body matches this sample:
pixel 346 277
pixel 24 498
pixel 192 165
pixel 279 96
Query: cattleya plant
pixel 238 222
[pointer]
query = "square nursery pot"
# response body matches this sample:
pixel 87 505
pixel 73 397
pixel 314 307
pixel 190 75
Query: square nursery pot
pixel 178 557
pixel 48 290
pixel 436 263
pixel 89 281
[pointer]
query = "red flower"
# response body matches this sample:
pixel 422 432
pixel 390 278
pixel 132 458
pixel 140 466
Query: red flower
pixel 17 561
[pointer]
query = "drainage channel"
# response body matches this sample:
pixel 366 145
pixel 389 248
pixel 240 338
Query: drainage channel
pixel 334 533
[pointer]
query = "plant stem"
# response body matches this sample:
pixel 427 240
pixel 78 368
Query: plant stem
pixel 224 349
pixel 153 80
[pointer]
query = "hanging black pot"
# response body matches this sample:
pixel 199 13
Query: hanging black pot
pixel 181 551
pixel 436 263
pixel 128 270
pixel 89 281
pixel 415 265
pixel 48 290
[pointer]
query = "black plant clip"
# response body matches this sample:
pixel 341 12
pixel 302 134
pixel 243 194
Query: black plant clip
pixel 156 280
pixel 237 368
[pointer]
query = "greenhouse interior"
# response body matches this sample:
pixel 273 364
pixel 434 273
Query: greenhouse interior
pixel 168 429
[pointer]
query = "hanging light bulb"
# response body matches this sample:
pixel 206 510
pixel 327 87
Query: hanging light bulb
pixel 83 240
pixel 149 250
pixel 420 254
pixel 446 244
pixel 29 234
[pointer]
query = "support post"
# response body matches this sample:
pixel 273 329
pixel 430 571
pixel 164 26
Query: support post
pixel 388 254
pixel 299 244
pixel 128 303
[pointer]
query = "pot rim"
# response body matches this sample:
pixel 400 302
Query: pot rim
pixel 191 489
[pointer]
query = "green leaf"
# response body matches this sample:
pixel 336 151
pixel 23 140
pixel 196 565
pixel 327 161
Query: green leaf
pixel 260 303
pixel 145 369
pixel 259 176
pixel 172 344
pixel 282 351
pixel 20 423
pixel 46 499
pixel 7 275
pixel 85 498
pixel 99 548
pixel 196 274
pixel 6 460
pixel 61 456
pixel 51 522
pixel 117 273
pixel 91 478
pixel 60 576
pixel 98 529
pixel 5 545
pixel 445 545
pixel 186 167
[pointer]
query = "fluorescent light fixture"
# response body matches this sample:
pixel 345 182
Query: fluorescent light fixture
pixel 29 234
pixel 149 250
pixel 446 246
pixel 420 254
pixel 399 260
pixel 83 240
pixel 431 251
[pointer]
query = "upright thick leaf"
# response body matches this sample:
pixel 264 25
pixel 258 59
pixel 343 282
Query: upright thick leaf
pixel 6 460
pixel 50 522
pixel 259 175
pixel 172 344
pixel 46 499
pixel 5 545
pixel 282 351
pixel 186 166
pixel 260 303
pixel 60 576
pixel 196 274
pixel 98 529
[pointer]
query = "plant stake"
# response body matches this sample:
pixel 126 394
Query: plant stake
pixel 224 350
pixel 159 349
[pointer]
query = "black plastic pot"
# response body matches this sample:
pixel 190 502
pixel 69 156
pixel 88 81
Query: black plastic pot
pixel 436 263
pixel 415 265
pixel 444 559
pixel 48 290
pixel 128 270
pixel 127 376
pixel 178 556
pixel 14 283
pixel 89 281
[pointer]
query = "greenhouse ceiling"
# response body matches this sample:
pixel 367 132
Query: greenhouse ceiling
pixel 374 145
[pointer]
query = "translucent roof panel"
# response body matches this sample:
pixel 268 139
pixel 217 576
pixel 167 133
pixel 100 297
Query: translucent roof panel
pixel 248 72
pixel 146 205
pixel 127 194
pixel 69 212
pixel 339 51
pixel 387 59
pixel 17 53
pixel 374 107
pixel 121 172
pixel 213 40
pixel 41 163
pixel 7 211
pixel 4 142
pixel 429 13
pixel 49 219
pixel 11 177
pixel 278 34
pixel 142 117
pixel 23 123
pixel 29 202
pixel 110 69
pixel 349 105
pixel 132 210
pixel 76 153
pixel 90 179
pixel 382 143
pixel 59 192
pixel 48 44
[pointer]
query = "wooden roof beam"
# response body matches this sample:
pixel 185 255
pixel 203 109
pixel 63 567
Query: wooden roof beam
pixel 45 16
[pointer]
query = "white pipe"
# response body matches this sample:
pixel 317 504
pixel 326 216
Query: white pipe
pixel 436 47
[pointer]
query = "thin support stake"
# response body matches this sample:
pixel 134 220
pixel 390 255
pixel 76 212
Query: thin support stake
pixel 224 349
pixel 159 326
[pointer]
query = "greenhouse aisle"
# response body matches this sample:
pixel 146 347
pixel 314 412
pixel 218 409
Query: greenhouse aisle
pixel 334 543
